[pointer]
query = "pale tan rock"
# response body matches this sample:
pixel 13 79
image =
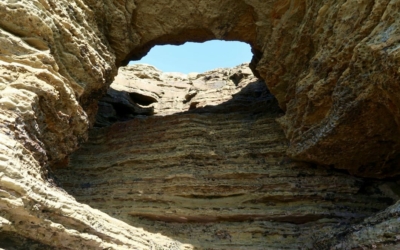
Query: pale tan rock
pixel 332 65
pixel 52 55
pixel 319 60
pixel 192 75
pixel 144 90
pixel 217 177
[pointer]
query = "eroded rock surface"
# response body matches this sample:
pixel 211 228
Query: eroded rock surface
pixel 144 90
pixel 52 58
pixel 345 100
pixel 217 177
pixel 332 66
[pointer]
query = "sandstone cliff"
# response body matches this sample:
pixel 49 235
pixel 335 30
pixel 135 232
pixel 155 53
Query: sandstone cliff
pixel 332 66
pixel 213 175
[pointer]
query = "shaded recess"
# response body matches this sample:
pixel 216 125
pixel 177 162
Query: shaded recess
pixel 12 240
pixel 142 99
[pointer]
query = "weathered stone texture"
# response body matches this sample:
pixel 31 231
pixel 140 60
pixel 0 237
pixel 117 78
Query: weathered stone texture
pixel 217 176
pixel 51 56
pixel 332 65
pixel 145 90
pixel 344 99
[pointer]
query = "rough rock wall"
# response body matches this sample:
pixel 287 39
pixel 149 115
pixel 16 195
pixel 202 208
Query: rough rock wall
pixel 331 65
pixel 52 55
pixel 216 176
pixel 145 90
pixel 335 75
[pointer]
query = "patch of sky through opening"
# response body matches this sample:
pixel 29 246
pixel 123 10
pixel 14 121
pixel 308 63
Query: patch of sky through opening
pixel 197 57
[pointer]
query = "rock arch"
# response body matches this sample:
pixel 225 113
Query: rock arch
pixel 225 20
pixel 307 56
pixel 332 65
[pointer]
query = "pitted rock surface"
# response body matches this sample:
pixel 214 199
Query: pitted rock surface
pixel 217 177
pixel 332 66
pixel 144 90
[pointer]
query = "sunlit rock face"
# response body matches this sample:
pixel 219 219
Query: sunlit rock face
pixel 332 66
pixel 144 90
pixel 214 173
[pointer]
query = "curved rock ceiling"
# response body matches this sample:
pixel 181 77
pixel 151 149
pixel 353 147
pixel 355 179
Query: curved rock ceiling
pixel 332 66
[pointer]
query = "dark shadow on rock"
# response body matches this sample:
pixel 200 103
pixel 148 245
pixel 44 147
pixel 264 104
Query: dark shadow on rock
pixel 14 241
pixel 254 98
pixel 118 106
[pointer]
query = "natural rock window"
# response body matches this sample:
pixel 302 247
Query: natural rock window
pixel 232 169
pixel 201 159
pixel 197 57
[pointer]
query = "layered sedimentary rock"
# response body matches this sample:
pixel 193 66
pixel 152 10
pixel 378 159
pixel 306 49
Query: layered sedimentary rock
pixel 216 176
pixel 52 55
pixel 345 100
pixel 145 90
pixel 332 65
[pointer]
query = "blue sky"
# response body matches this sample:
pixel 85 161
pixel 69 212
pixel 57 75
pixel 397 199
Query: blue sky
pixel 197 57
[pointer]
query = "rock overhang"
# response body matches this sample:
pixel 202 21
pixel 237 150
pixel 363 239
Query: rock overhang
pixel 332 66
pixel 319 82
